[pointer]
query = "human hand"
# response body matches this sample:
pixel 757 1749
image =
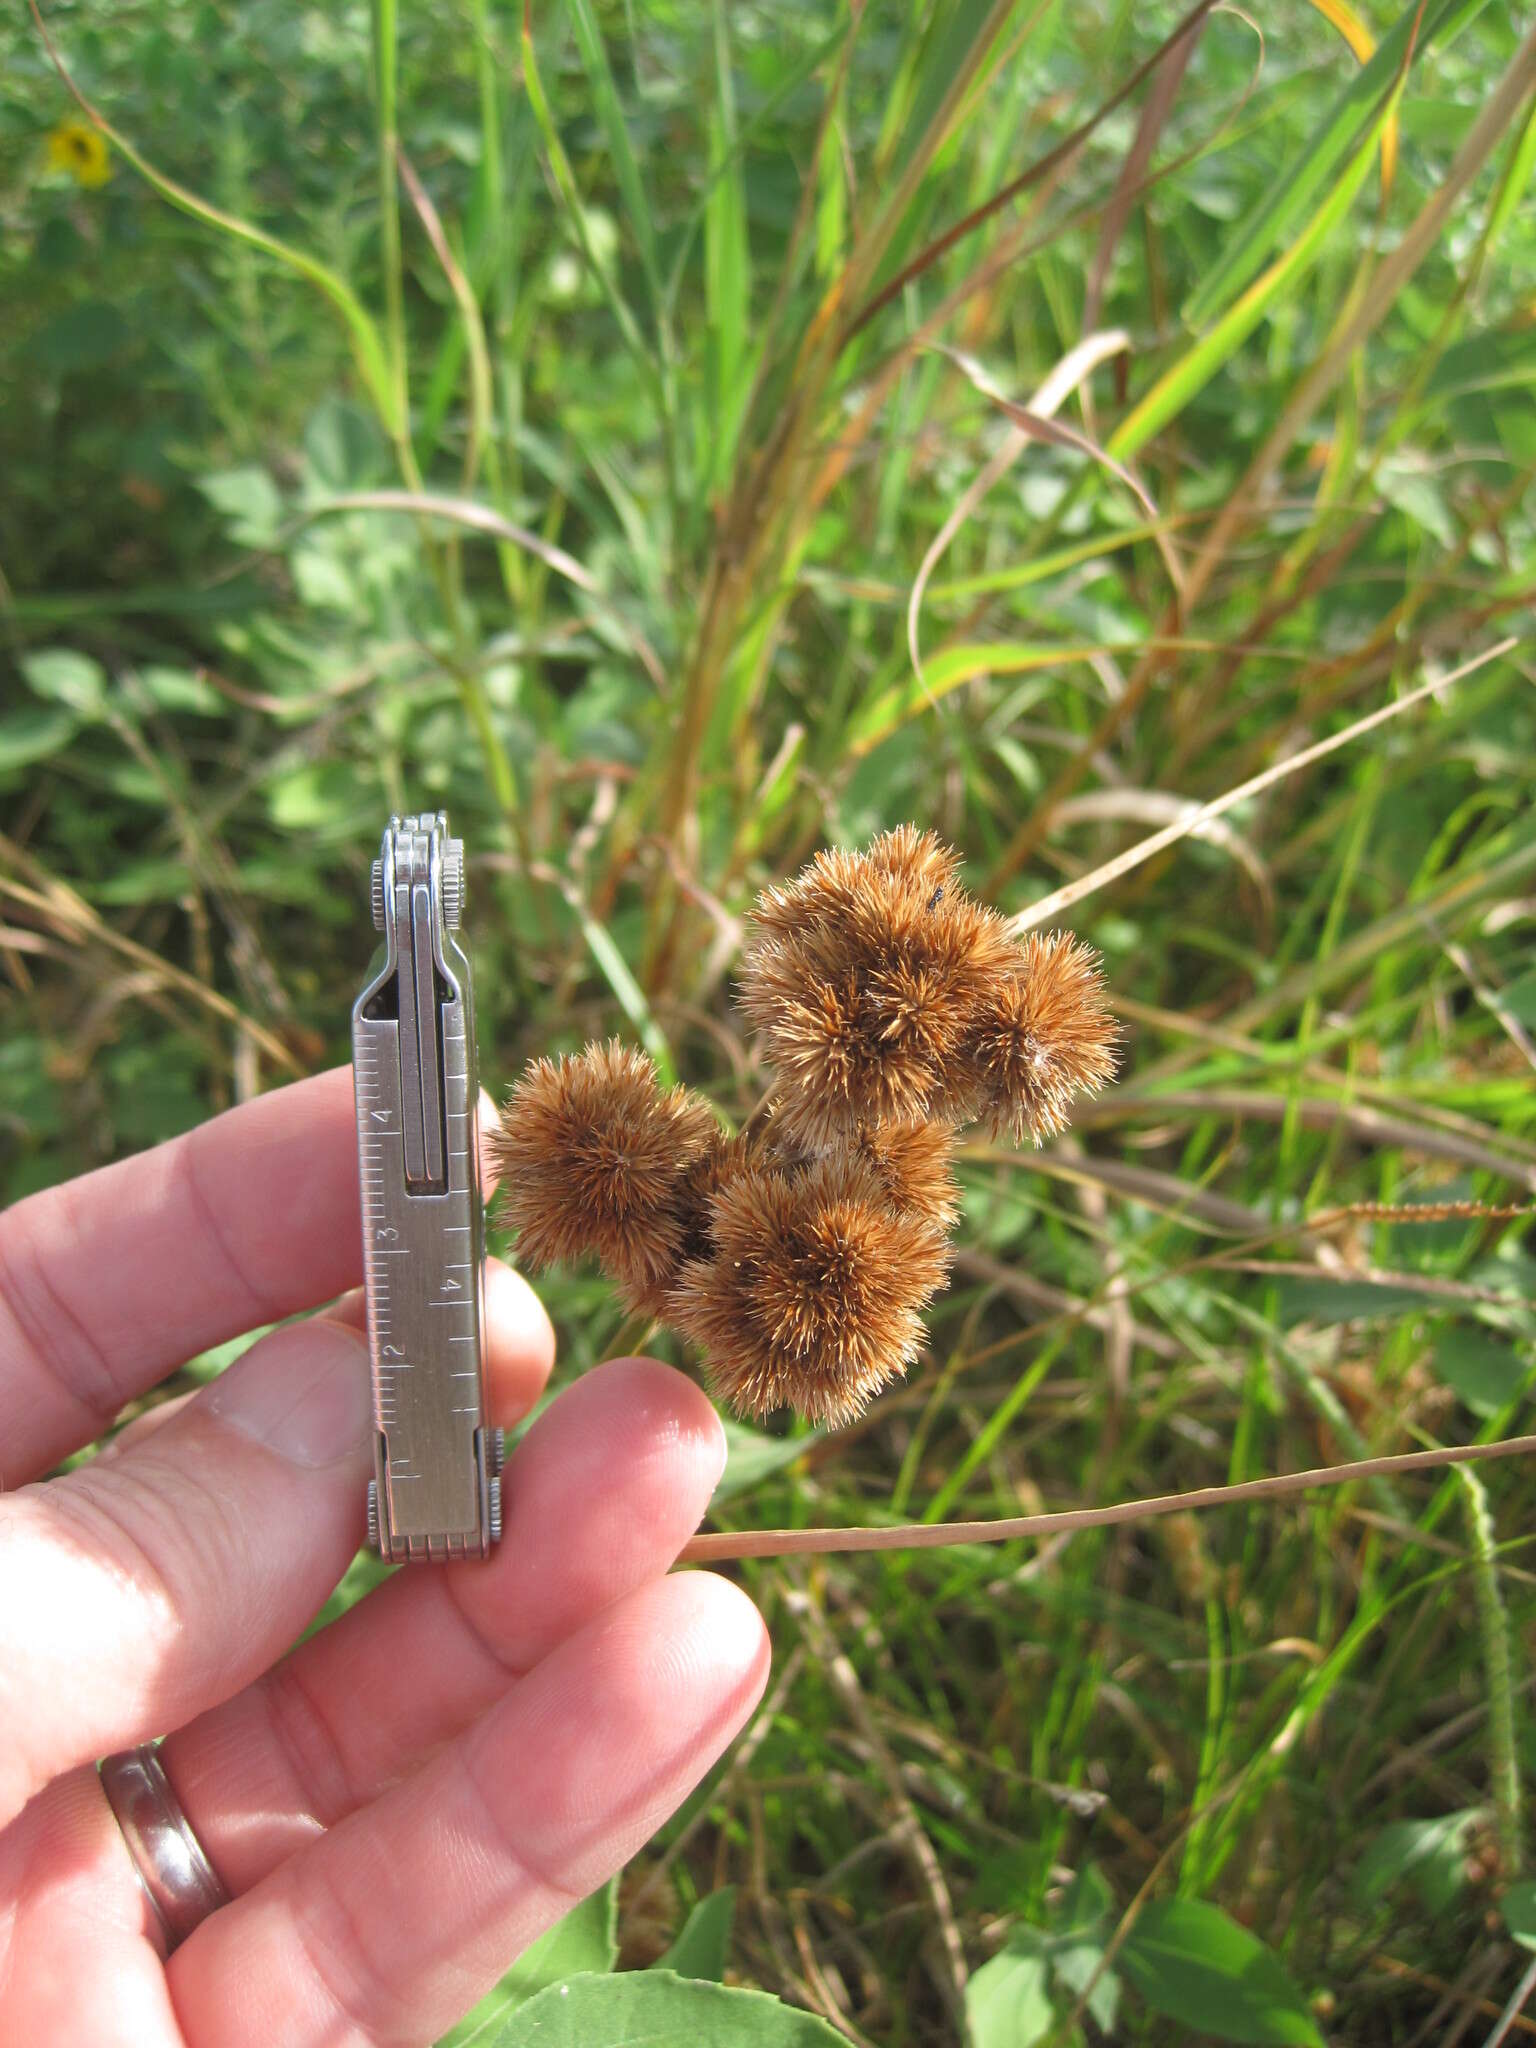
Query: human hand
pixel 402 1803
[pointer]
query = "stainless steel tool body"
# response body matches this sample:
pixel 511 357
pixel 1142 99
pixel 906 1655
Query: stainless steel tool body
pixel 436 1493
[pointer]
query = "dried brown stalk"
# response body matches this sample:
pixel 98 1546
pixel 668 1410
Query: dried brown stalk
pixel 713 1548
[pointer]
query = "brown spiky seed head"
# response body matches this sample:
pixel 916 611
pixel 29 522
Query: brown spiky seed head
pixel 1043 1035
pixel 914 1164
pixel 914 856
pixel 591 1156
pixel 813 1295
pixel 861 980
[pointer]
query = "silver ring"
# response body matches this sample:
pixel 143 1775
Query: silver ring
pixel 169 1861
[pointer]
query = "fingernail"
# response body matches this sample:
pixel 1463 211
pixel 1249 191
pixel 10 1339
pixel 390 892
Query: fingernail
pixel 303 1392
pixel 722 1448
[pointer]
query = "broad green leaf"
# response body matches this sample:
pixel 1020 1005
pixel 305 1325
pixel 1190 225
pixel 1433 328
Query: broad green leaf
pixel 1487 1372
pixel 328 798
pixel 1519 1905
pixel 1078 1964
pixel 1008 2001
pixel 1194 1964
pixel 179 689
pixel 582 1945
pixel 1519 997
pixel 1346 1301
pixel 33 733
pixel 1078 1945
pixel 1014 1999
pixel 64 677
pixel 1428 1854
pixel 87 336
pixel 654 2009
pixel 752 1455
pixel 249 501
pixel 1357 113
pixel 704 1943
pixel 343 447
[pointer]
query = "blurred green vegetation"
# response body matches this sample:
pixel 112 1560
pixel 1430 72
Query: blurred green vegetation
pixel 551 422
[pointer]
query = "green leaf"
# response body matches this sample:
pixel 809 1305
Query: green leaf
pixel 1519 997
pixel 1077 1964
pixel 1008 2001
pixel 178 689
pixel 1520 1913
pixel 701 1948
pixel 1353 118
pixel 343 447
pixel 249 501
pixel 1428 1854
pixel 655 2009
pixel 581 1945
pixel 751 1455
pixel 33 733
pixel 1194 1964
pixel 87 336
pixel 1344 1301
pixel 1484 1370
pixel 65 677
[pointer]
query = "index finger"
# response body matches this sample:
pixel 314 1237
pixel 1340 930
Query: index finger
pixel 110 1282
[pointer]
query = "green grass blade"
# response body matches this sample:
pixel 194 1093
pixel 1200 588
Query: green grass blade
pixel 627 992
pixel 725 264
pixel 1366 95
pixel 1196 367
pixel 570 197
pixel 610 118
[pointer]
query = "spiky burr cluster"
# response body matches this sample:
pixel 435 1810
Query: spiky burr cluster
pixel 799 1255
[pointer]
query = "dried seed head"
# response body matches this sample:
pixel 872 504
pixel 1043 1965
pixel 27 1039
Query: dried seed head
pixel 912 856
pixel 914 1165
pixel 812 1296
pixel 592 1156
pixel 1043 1035
pixel 861 980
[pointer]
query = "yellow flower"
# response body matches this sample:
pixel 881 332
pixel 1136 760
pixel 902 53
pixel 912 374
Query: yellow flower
pixel 76 147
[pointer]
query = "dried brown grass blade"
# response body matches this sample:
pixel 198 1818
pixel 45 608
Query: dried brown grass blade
pixel 1054 159
pixel 1059 900
pixel 1161 94
pixel 710 1549
pixel 1030 423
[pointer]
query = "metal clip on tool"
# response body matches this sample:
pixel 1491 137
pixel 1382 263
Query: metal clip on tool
pixel 436 1493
